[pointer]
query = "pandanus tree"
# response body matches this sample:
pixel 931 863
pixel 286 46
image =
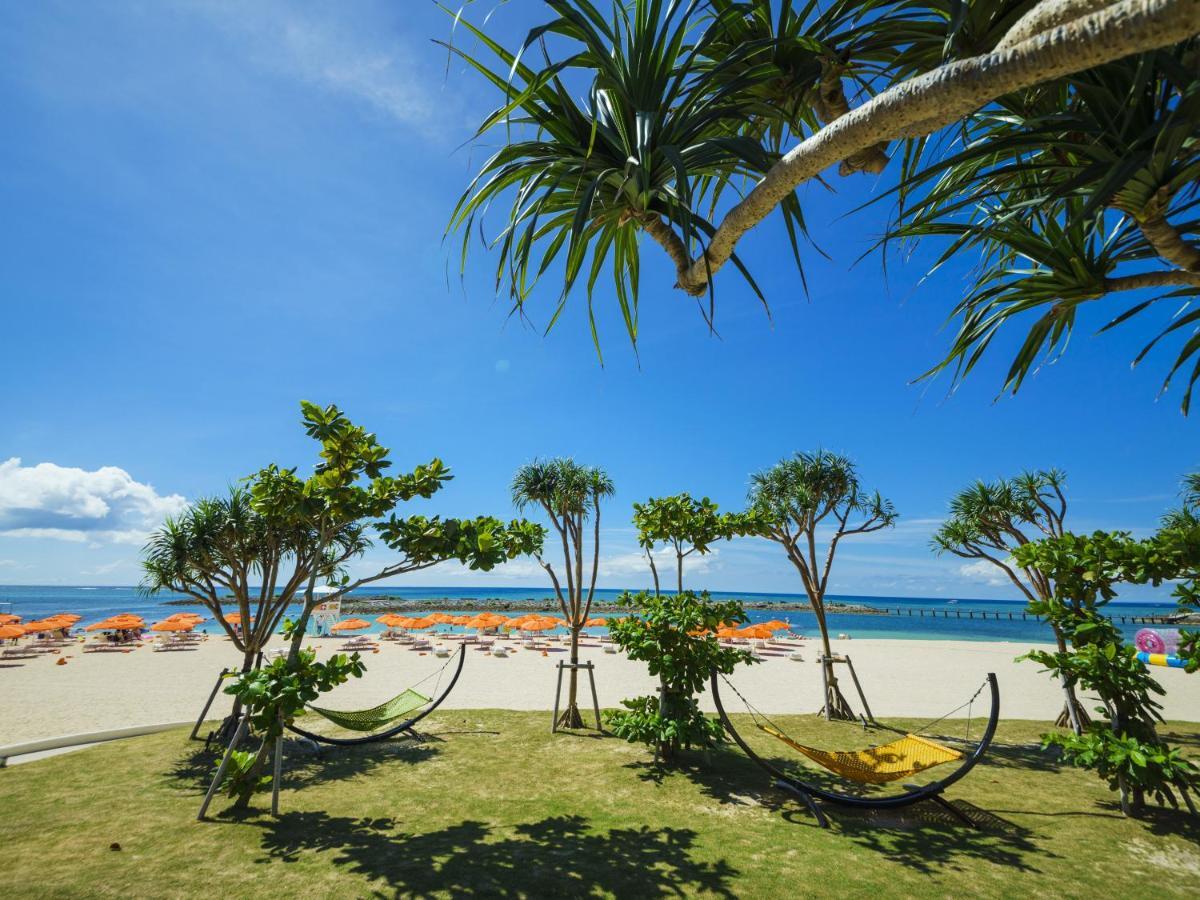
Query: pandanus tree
pixel 807 500
pixel 569 494
pixel 686 526
pixel 1053 140
pixel 989 521
pixel 223 552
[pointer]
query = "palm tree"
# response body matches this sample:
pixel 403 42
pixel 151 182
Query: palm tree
pixel 569 494
pixel 1055 139
pixel 795 499
pixel 990 520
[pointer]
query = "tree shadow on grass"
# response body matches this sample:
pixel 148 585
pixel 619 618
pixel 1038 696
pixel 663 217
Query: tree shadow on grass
pixel 726 777
pixel 194 769
pixel 559 855
pixel 1027 757
pixel 1160 820
pixel 928 839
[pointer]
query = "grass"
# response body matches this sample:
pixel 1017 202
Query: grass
pixel 492 804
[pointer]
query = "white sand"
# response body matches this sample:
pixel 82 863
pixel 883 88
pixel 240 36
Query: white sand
pixel 96 691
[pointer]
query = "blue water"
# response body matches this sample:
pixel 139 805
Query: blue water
pixel 95 603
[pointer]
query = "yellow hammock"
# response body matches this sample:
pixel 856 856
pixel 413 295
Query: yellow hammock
pixel 876 765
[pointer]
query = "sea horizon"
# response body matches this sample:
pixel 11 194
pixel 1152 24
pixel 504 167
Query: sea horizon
pixel 94 602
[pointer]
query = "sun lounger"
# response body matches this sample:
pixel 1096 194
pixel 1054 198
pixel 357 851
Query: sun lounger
pixel 18 653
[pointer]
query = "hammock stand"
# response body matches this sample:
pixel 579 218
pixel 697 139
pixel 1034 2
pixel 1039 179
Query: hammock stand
pixel 404 727
pixel 810 793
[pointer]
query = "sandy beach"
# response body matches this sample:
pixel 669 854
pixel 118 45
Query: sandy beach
pixel 95 691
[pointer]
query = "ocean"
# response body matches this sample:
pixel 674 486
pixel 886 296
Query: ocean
pixel 95 603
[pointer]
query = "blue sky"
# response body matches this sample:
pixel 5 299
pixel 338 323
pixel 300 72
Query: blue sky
pixel 213 210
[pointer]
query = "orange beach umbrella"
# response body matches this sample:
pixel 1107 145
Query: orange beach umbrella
pixel 757 632
pixel 177 625
pixel 775 625
pixel 43 625
pixel 351 625
pixel 597 622
pixel 8 618
pixel 11 631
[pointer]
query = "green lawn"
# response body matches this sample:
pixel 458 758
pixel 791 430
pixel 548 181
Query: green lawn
pixel 492 804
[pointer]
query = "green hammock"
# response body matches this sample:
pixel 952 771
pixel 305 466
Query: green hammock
pixel 377 716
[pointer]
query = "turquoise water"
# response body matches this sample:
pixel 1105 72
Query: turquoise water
pixel 95 603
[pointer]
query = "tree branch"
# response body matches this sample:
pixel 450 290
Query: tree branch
pixel 1167 278
pixel 1164 238
pixel 831 105
pixel 1046 15
pixel 944 95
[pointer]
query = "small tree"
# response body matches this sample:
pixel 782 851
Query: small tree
pixel 686 525
pixel 1126 750
pixel 286 532
pixel 569 494
pixel 989 521
pixel 674 634
pixel 794 500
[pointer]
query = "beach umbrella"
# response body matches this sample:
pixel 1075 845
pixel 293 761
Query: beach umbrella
pixel 757 632
pixel 597 622
pixel 351 625
pixel 459 620
pixel 440 618
pixel 420 623
pixel 391 620
pixel 775 625
pixel 127 620
pixel 539 625
pixel 34 627
pixel 10 631
pixel 236 619
pixel 728 632
pixel 168 625
pixel 480 621
pixel 8 618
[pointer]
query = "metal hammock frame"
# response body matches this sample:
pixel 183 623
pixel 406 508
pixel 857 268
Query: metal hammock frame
pixel 810 793
pixel 399 728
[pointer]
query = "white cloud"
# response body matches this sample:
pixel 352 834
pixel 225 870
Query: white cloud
pixel 77 505
pixel 633 563
pixel 984 572
pixel 353 59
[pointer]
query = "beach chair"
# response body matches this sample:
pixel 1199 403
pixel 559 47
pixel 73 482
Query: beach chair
pixel 24 652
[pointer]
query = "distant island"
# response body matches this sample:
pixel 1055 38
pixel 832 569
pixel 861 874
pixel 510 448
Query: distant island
pixel 383 603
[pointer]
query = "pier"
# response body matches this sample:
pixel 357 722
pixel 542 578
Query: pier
pixel 1021 616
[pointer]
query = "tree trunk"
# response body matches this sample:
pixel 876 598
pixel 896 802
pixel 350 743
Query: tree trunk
pixel 570 717
pixel 223 733
pixel 1073 715
pixel 835 705
pixel 246 794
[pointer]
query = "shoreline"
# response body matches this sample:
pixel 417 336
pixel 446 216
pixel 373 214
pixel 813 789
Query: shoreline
pixel 901 677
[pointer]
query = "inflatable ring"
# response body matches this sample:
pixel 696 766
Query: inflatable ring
pixel 1150 641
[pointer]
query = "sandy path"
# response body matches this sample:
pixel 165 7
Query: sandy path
pixel 96 691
